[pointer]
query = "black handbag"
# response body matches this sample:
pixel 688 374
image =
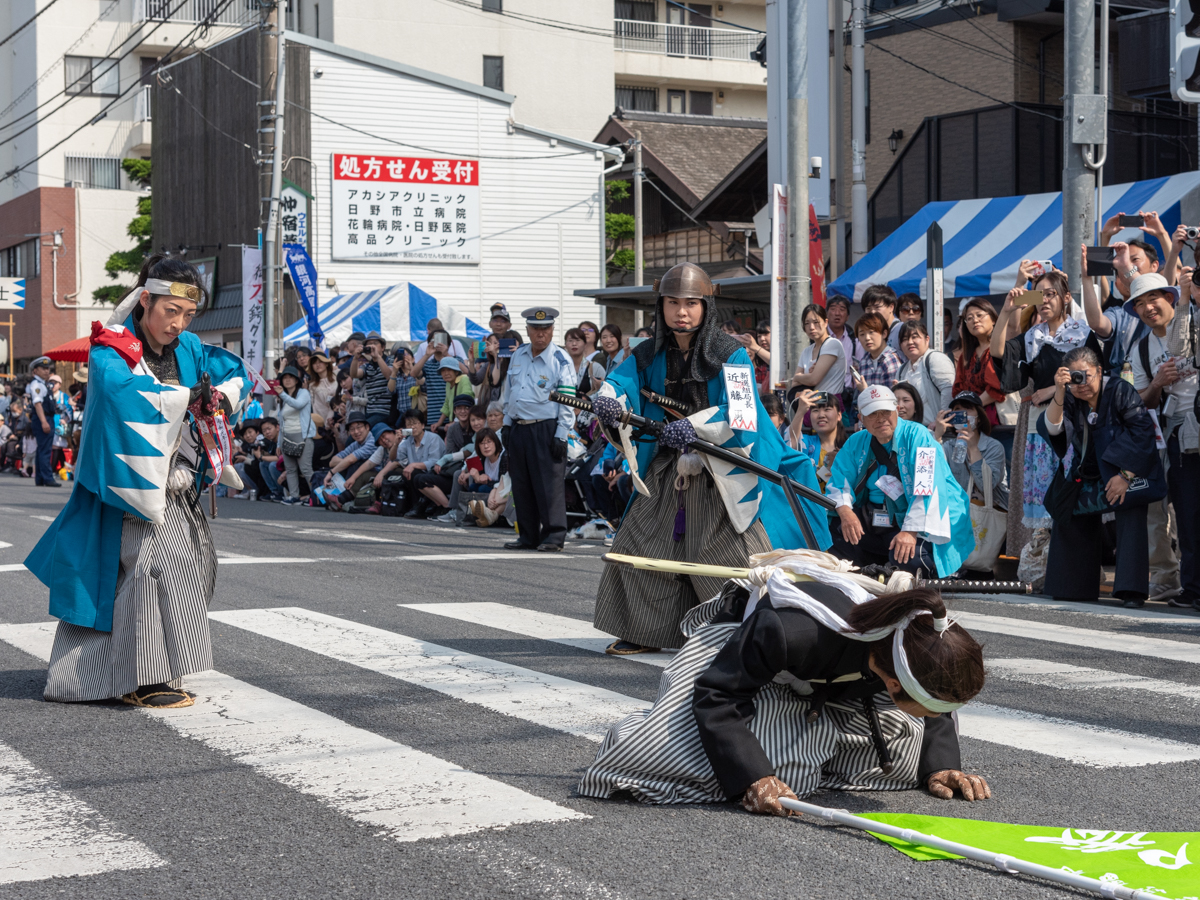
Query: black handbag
pixel 291 448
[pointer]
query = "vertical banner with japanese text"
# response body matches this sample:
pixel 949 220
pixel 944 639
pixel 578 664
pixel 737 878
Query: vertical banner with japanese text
pixel 816 257
pixel 405 208
pixel 304 277
pixel 252 308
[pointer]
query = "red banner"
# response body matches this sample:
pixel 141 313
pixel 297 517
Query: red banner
pixel 816 258
pixel 404 169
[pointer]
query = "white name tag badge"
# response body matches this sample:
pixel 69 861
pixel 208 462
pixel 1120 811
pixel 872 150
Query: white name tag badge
pixel 881 519
pixel 923 479
pixel 740 390
pixel 891 486
pixel 1159 441
pixel 823 473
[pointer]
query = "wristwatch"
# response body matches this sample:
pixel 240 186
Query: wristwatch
pixel 1132 273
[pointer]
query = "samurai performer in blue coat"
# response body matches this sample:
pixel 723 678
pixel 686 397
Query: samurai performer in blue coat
pixel 687 506
pixel 130 561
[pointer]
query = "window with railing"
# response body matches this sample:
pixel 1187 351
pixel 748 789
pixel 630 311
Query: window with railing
pixel 141 104
pixel 643 99
pixel 94 172
pixel 217 12
pixel 694 41
pixel 92 76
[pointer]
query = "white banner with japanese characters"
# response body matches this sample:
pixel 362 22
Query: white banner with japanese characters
pixel 252 308
pixel 405 208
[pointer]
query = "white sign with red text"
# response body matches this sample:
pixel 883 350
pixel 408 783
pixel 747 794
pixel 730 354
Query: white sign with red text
pixel 405 208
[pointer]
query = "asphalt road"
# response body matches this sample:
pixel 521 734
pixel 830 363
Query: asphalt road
pixel 328 737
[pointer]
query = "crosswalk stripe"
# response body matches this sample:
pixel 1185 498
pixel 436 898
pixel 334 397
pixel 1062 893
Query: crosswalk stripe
pixel 547 700
pixel 13 567
pixel 47 833
pixel 535 624
pixel 1073 741
pixel 1081 678
pixel 1114 641
pixel 409 794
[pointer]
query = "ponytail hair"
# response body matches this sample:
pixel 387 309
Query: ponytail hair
pixel 948 664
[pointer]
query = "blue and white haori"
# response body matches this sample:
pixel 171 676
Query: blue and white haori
pixel 942 516
pixel 130 435
pixel 747 497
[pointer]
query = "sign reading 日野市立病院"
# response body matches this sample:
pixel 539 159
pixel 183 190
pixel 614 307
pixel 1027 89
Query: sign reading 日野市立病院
pixel 405 208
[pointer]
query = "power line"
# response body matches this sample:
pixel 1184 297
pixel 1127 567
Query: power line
pixel 115 63
pixel 535 20
pixel 28 22
pixel 708 16
pixel 203 24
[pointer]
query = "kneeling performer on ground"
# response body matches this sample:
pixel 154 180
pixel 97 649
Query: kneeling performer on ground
pixel 898 502
pixel 800 686
pixel 130 561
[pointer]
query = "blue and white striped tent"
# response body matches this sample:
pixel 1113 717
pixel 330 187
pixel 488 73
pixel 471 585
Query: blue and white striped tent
pixel 985 240
pixel 399 313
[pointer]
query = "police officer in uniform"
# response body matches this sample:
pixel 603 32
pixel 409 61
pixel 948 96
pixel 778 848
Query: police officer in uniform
pixel 43 407
pixel 536 434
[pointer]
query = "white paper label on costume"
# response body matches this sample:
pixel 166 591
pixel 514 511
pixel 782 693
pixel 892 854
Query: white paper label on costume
pixel 923 480
pixel 1159 441
pixel 881 519
pixel 740 389
pixel 823 473
pixel 891 485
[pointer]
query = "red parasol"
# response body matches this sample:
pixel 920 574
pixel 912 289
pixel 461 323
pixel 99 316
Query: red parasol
pixel 72 351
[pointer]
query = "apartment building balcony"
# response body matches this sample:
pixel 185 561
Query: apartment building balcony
pixel 160 21
pixel 661 51
pixel 140 134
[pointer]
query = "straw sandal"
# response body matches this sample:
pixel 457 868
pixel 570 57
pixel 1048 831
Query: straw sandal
pixel 159 696
pixel 628 648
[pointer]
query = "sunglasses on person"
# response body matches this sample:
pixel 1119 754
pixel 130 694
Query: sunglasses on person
pixel 908 307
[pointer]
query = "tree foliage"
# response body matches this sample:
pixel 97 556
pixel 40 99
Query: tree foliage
pixel 140 229
pixel 618 228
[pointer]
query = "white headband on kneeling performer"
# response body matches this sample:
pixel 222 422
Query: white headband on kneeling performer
pixel 904 673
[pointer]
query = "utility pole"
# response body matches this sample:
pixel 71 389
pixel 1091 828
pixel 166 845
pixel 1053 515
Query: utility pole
pixel 858 129
pixel 272 130
pixel 837 212
pixel 799 278
pixel 1079 131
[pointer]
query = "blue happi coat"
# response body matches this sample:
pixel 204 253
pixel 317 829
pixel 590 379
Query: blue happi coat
pixel 747 497
pixel 132 423
pixel 943 517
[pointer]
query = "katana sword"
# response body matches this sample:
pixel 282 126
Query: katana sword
pixel 790 487
pixel 731 573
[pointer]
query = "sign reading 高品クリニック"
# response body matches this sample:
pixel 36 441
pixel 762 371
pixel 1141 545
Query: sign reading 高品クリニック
pixel 1158 862
pixel 12 293
pixel 405 208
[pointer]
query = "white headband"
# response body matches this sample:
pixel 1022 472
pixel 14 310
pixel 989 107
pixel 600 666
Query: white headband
pixel 908 680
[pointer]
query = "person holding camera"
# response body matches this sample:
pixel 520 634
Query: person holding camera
pixel 373 368
pixel 816 428
pixel 964 431
pixel 897 501
pixel 1115 468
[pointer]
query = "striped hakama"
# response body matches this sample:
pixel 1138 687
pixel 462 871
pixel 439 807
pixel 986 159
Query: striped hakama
pixel 646 607
pixel 656 753
pixel 160 627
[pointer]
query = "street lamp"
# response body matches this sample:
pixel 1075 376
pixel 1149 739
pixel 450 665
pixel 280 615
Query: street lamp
pixel 894 140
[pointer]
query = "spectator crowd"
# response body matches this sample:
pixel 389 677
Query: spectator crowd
pixel 1070 422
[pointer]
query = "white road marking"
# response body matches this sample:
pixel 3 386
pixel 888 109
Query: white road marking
pixel 1076 742
pixel 45 518
pixel 229 554
pixel 437 557
pixel 408 794
pixel 535 624
pixel 1114 641
pixel 47 833
pixel 13 567
pixel 350 536
pixel 1081 678
pixel 546 700
pixel 261 560
pixel 1103 608
pixel 4 544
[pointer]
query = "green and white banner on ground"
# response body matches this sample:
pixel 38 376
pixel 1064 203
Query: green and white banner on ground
pixel 1153 861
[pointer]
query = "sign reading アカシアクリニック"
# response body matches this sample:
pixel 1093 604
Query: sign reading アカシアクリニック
pixel 405 208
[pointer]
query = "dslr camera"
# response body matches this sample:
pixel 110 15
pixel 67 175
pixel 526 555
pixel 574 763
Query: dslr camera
pixel 1193 232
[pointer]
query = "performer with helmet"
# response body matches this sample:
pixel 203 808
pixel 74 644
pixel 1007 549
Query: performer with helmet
pixel 687 506
pixel 130 561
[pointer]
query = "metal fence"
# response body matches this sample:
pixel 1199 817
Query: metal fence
pixel 691 41
pixel 236 12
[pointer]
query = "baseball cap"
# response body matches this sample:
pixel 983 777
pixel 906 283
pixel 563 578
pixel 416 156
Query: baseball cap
pixel 875 398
